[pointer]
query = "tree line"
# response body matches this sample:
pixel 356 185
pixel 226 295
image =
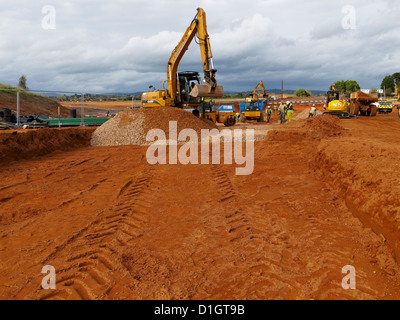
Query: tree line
pixel 390 83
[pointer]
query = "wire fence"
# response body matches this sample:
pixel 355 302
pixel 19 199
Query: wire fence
pixel 80 95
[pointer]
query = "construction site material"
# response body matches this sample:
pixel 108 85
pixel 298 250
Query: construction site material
pixel 363 104
pixel 74 122
pixel 4 126
pixel 9 119
pixel 130 127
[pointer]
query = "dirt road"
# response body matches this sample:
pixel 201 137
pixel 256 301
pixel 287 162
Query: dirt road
pixel 115 227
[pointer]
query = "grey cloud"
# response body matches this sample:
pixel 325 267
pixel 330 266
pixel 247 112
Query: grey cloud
pixel 125 45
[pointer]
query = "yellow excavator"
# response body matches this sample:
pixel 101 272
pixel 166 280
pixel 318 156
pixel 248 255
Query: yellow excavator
pixel 184 89
pixel 252 109
pixel 335 106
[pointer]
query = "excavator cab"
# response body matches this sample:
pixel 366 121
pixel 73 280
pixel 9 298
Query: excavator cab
pixel 332 96
pixel 187 81
pixel 250 104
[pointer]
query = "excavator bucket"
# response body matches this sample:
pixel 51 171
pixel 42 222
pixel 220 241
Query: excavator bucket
pixel 207 91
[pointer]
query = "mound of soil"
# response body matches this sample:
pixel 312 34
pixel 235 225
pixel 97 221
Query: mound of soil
pixel 30 144
pixel 317 128
pixel 130 127
pixel 325 125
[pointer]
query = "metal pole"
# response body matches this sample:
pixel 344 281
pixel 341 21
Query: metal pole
pixel 282 91
pixel 59 117
pixel 18 123
pixel 82 112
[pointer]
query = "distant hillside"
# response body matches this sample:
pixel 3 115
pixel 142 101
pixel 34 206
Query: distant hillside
pixel 30 103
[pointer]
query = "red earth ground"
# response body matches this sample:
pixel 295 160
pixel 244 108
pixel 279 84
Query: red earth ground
pixel 324 194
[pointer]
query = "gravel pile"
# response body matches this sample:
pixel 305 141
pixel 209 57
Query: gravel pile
pixel 130 127
pixel 125 128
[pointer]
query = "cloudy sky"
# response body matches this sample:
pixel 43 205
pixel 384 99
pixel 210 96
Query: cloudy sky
pixel 124 45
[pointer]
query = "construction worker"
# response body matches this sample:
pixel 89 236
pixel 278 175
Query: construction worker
pixel 237 116
pixel 268 112
pixel 289 111
pixel 312 111
pixel 282 112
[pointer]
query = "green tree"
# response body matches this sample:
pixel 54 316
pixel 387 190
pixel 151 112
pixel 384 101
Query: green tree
pixel 388 84
pixel 347 86
pixel 340 86
pixel 22 82
pixel 240 95
pixel 396 77
pixel 302 93
pixel 352 86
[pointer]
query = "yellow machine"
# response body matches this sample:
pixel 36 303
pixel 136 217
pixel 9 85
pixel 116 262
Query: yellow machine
pixel 363 104
pixel 396 103
pixel 225 114
pixel 252 109
pixel 184 89
pixel 335 106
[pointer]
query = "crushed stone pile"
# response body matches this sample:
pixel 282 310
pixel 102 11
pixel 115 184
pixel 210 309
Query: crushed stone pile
pixel 130 127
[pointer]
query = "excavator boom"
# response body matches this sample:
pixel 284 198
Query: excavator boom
pixel 184 88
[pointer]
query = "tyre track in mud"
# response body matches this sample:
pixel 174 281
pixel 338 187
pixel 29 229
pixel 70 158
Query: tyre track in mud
pixel 294 245
pixel 90 260
pixel 246 230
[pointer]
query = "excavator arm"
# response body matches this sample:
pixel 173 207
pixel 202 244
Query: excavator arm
pixel 197 28
pixel 260 86
pixel 254 96
pixel 175 59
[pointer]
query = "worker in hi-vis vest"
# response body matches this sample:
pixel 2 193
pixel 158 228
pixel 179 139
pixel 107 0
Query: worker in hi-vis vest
pixel 268 112
pixel 282 112
pixel 312 111
pixel 289 111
